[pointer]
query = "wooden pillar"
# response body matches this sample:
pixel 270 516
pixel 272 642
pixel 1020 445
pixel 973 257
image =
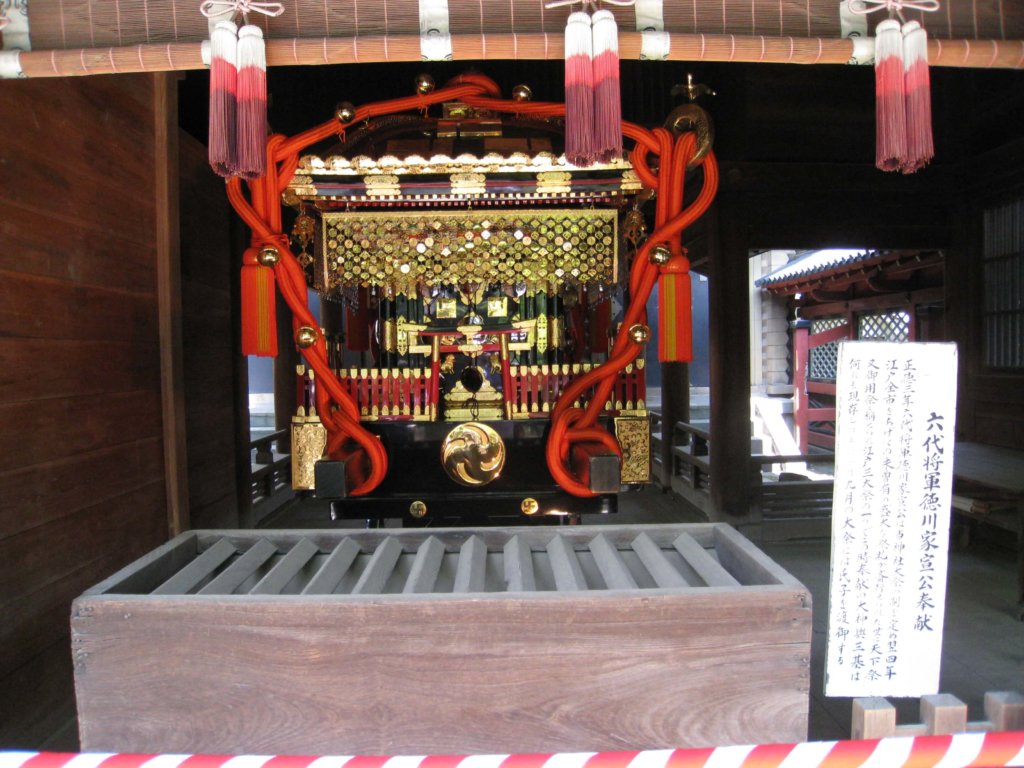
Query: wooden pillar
pixel 675 406
pixel 801 359
pixel 728 298
pixel 168 279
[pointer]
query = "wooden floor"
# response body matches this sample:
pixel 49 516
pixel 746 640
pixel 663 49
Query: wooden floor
pixel 982 642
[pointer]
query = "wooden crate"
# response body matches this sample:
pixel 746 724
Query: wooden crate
pixel 446 641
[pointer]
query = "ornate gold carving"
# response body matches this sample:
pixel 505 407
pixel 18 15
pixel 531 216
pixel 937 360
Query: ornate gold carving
pixel 309 439
pixel 473 454
pixel 447 309
pixel 390 341
pixel 555 333
pixel 497 306
pixel 542 332
pixel 529 506
pixel 406 250
pixel 634 435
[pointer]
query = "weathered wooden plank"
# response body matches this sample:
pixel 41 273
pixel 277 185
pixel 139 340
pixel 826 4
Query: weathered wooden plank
pixel 39 555
pixel 614 571
pixel 471 570
pixel 80 312
pixel 705 565
pixel 286 570
pixel 333 569
pixel 75 482
pixel 495 538
pixel 745 562
pixel 565 566
pixel 744 657
pixel 425 567
pixel 153 568
pixel 375 576
pixel 519 574
pixel 71 425
pixel 193 574
pixel 71 368
pixel 662 571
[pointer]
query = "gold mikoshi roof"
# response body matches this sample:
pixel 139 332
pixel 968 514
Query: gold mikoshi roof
pixel 420 180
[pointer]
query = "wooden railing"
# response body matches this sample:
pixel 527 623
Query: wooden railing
pixel 791 497
pixel 271 476
pixel 391 394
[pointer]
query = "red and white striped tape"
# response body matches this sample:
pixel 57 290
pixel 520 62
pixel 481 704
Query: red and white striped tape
pixel 956 751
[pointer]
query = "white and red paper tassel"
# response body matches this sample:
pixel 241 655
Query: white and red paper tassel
pixel 917 90
pixel 251 137
pixel 890 107
pixel 223 97
pixel 579 90
pixel 607 93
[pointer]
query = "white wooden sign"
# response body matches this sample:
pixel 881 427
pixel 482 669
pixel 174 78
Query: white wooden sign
pixel 895 414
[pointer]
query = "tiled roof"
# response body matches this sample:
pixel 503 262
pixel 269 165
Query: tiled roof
pixel 815 263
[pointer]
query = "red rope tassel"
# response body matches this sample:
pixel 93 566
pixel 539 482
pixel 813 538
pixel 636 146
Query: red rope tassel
pixel 579 90
pixel 259 310
pixel 607 94
pixel 917 86
pixel 223 104
pixel 675 330
pixel 252 103
pixel 890 117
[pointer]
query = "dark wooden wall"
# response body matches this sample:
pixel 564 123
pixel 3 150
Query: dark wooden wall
pixel 212 361
pixel 82 485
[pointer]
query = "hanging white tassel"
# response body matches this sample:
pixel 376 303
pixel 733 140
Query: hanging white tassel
pixel 890 117
pixel 917 88
pixel 607 92
pixel 252 103
pixel 223 97
pixel 579 90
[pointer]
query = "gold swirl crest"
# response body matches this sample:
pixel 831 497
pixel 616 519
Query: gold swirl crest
pixel 473 454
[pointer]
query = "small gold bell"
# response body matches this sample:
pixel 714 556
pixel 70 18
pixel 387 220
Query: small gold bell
pixel 522 92
pixel 345 112
pixel 268 256
pixel 306 337
pixel 660 255
pixel 639 333
pixel 424 84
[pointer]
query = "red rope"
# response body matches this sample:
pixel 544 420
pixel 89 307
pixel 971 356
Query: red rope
pixel 338 409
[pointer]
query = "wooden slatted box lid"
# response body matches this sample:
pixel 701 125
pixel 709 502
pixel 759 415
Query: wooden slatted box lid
pixel 442 561
pixel 444 641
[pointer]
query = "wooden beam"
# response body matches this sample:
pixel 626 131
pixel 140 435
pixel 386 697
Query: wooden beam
pixel 913 298
pixel 168 286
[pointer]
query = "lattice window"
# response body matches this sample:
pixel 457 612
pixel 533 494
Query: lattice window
pixel 823 359
pixel 1002 312
pixel 884 326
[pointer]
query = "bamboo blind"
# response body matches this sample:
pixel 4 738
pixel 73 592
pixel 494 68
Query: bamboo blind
pixel 794 50
pixel 73 24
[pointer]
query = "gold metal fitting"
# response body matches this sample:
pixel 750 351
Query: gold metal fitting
pixel 268 256
pixel 530 506
pixel 690 117
pixel 522 92
pixel 418 509
pixel 345 112
pixel 424 84
pixel 639 333
pixel 473 454
pixel 306 337
pixel 660 255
